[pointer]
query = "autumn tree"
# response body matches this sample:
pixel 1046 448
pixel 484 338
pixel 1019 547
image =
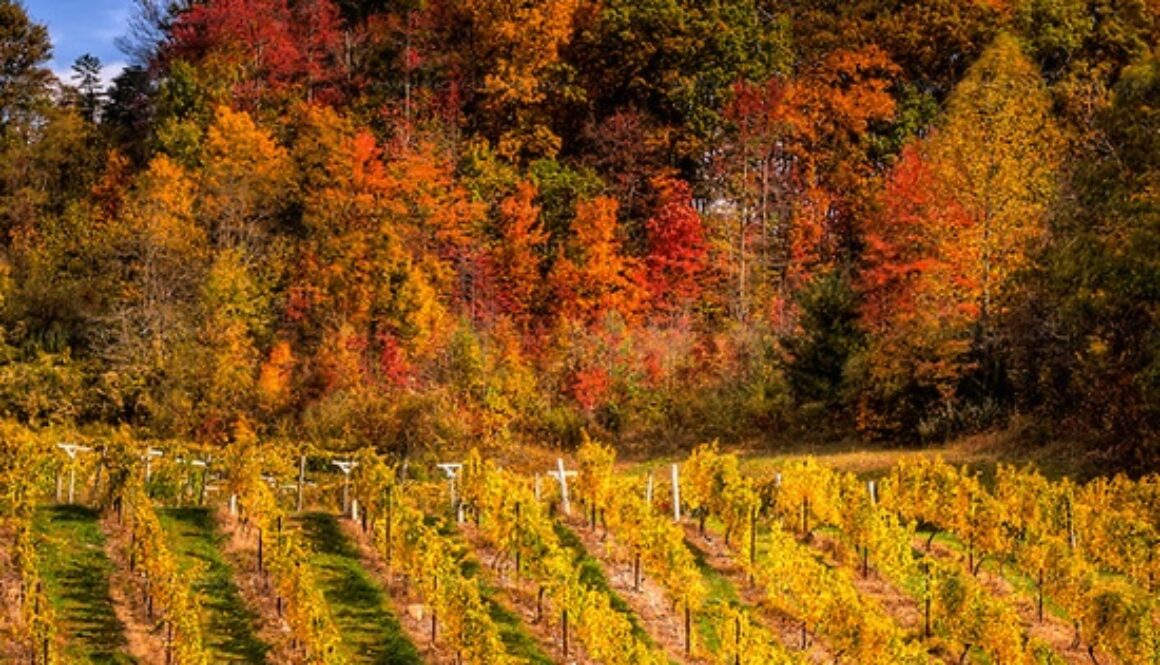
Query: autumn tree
pixel 593 278
pixel 161 252
pixel 518 255
pixel 243 180
pixel 758 171
pixel 676 247
pixel 1083 338
pixel 24 51
pixel 835 107
pixel 514 52
pixel 997 157
pixel 960 214
pixel 674 62
pixel 24 100
pixel 276 47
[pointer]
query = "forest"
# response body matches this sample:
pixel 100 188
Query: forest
pixel 434 223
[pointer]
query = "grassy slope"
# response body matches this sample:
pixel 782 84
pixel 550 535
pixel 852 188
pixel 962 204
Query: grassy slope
pixel 76 576
pixel 983 452
pixel 516 639
pixel 229 627
pixel 721 593
pixel 370 631
pixel 593 576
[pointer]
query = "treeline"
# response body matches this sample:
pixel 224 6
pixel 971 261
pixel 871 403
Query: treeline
pixel 446 221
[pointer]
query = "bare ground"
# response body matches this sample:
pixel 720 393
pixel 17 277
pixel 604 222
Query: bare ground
pixel 521 596
pixel 785 628
pixel 241 549
pixel 10 650
pixel 1053 630
pixel 660 619
pixel 144 632
pixel 408 609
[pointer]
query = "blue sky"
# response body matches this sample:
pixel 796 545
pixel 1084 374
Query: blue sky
pixel 77 27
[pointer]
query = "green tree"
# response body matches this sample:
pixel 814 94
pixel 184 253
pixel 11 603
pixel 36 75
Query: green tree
pixel 24 50
pixel 87 75
pixel 828 335
pixel 1086 336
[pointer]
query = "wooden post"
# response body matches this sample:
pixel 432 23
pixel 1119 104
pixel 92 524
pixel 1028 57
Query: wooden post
pixel 390 518
pixel 517 529
pixel 753 538
pixel 301 482
pixel 563 478
pixel 1040 600
pixel 451 471
pixel 346 466
pixel 201 487
pixel 926 615
pixel 1070 524
pixel 71 449
pixel 805 516
pixel 676 494
pixel 737 640
pixel 260 544
pixel 648 490
pixel 434 615
pixel 564 628
pixel 688 630
pixel 636 571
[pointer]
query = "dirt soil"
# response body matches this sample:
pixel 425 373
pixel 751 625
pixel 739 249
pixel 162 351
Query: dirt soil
pixel 10 618
pixel 660 619
pixel 241 549
pixel 521 596
pixel 408 609
pixel 1054 631
pixel 144 634
pixel 787 629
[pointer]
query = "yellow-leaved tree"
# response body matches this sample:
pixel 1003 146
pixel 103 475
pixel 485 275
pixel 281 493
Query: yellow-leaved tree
pixel 519 43
pixel 960 215
pixel 243 180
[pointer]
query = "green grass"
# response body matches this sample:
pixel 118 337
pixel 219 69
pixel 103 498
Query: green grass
pixel 370 631
pixel 981 453
pixel 1022 583
pixel 592 575
pixel 229 627
pixel 76 576
pixel 517 642
pixel 720 592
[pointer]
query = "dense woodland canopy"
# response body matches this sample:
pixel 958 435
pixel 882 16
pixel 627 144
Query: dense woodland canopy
pixel 445 221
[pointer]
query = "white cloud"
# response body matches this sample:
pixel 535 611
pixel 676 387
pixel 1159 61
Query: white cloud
pixel 109 71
